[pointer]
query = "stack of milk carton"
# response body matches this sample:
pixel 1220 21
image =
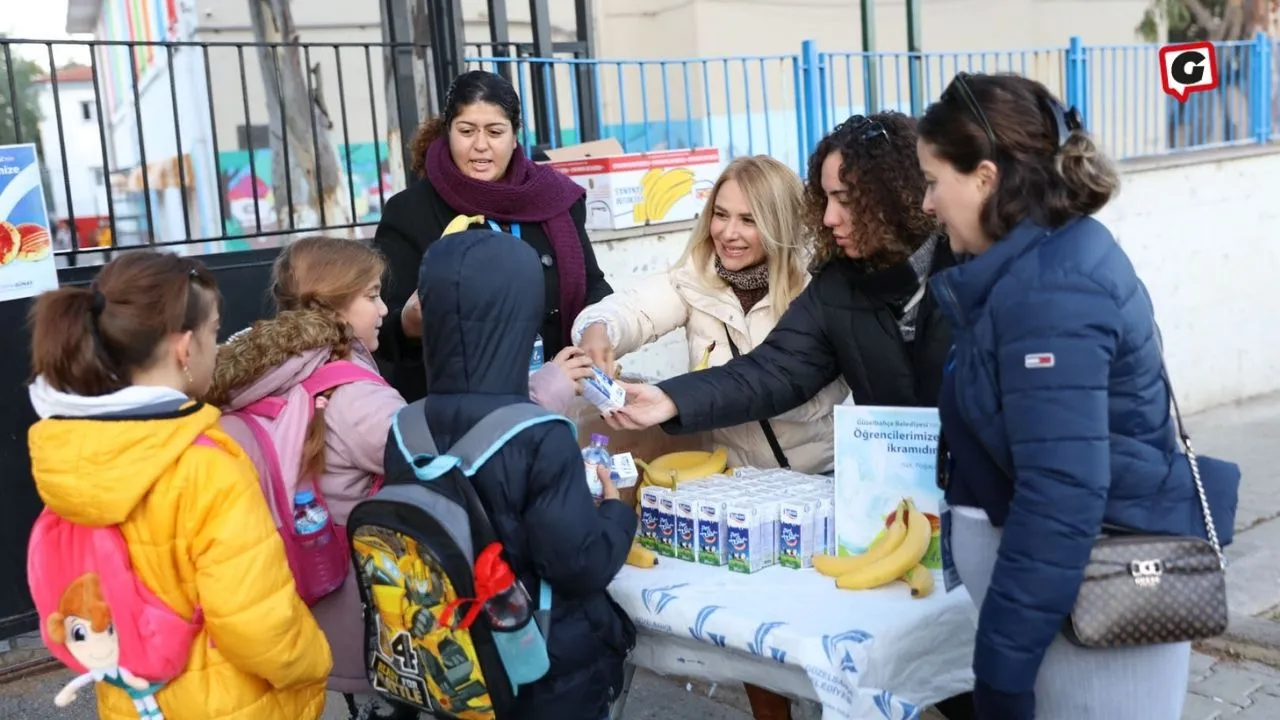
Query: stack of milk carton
pixel 747 521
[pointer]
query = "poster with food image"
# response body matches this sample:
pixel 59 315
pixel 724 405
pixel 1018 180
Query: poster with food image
pixel 885 457
pixel 27 265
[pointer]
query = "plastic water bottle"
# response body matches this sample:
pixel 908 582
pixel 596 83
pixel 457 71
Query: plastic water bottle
pixel 535 361
pixel 593 455
pixel 316 539
pixel 519 640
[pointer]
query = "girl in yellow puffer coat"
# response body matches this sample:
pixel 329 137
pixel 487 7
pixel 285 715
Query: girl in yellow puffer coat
pixel 116 366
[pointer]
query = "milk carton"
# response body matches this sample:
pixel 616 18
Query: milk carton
pixel 824 524
pixel 666 524
pixel 649 501
pixel 797 536
pixel 753 535
pixel 711 531
pixel 686 532
pixel 600 390
pixel 625 467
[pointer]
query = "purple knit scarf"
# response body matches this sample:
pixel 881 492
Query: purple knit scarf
pixel 528 193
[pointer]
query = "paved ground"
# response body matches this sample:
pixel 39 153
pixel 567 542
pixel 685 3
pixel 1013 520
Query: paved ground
pixel 1220 689
pixel 1226 690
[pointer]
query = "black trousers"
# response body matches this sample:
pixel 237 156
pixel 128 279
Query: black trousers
pixel 959 707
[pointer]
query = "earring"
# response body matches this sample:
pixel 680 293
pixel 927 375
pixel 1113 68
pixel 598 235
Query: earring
pixel 186 370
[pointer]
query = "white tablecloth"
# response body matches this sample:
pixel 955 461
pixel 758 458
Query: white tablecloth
pixel 863 654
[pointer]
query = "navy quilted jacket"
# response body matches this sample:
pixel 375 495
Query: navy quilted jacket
pixel 482 304
pixel 1059 374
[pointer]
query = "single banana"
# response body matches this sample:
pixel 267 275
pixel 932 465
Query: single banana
pixel 672 197
pixel 646 182
pixel 462 222
pixel 668 190
pixel 640 211
pixel 920 580
pixel 906 556
pixel 833 566
pixel 678 467
pixel 705 362
pixel 641 557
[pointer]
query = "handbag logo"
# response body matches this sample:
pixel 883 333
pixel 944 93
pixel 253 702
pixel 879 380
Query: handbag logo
pixel 1146 573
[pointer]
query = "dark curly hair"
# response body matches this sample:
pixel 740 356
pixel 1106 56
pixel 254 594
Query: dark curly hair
pixel 885 189
pixel 468 88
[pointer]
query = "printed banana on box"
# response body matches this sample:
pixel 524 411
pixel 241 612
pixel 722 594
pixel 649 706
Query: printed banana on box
pixel 626 190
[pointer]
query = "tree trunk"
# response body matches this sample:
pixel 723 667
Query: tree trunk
pixel 306 179
pixel 413 50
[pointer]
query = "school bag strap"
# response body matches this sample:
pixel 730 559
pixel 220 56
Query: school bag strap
pixel 472 450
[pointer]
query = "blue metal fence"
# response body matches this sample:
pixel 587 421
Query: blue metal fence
pixel 781 105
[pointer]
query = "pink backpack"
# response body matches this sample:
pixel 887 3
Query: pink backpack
pixel 89 568
pixel 277 426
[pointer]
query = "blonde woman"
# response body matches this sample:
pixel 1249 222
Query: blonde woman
pixel 742 268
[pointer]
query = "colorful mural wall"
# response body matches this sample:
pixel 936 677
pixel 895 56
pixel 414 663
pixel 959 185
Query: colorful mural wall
pixel 143 21
pixel 244 185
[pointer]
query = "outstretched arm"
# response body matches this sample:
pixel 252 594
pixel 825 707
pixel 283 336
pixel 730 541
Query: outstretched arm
pixel 793 363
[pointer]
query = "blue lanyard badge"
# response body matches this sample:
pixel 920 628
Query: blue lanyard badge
pixel 515 228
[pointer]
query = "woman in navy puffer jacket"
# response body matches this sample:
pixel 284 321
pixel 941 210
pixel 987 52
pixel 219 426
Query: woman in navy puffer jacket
pixel 1054 406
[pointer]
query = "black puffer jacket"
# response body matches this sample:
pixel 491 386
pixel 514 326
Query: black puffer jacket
pixel 481 306
pixel 412 220
pixel 844 324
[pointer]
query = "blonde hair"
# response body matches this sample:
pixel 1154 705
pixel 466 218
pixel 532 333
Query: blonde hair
pixel 324 274
pixel 776 198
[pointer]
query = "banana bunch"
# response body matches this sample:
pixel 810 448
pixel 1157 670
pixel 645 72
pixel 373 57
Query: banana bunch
pixel 641 557
pixel 896 555
pixel 660 191
pixel 674 468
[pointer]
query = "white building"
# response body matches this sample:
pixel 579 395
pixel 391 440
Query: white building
pixel 69 127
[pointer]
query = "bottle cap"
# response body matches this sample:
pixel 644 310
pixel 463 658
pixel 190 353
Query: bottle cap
pixel 303 497
pixel 598 439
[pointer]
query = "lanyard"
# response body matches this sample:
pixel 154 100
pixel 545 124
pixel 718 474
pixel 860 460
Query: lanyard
pixel 515 228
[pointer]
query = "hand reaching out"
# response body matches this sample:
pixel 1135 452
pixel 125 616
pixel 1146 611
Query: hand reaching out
pixel 595 342
pixel 575 363
pixel 411 317
pixel 646 406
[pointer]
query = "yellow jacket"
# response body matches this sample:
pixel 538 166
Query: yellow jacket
pixel 199 533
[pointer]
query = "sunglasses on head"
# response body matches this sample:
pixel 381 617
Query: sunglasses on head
pixel 961 87
pixel 866 128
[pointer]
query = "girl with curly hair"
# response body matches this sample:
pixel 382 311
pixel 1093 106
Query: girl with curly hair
pixel 867 317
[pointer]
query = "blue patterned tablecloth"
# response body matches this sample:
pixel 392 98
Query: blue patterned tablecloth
pixel 871 654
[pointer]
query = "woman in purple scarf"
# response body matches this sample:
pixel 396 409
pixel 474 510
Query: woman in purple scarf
pixel 469 163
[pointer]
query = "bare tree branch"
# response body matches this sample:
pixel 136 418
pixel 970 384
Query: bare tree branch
pixel 1202 16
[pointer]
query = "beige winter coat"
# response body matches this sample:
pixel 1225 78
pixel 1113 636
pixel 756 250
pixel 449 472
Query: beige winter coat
pixel 706 309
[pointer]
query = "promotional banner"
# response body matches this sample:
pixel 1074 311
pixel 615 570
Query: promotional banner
pixel 883 456
pixel 27 265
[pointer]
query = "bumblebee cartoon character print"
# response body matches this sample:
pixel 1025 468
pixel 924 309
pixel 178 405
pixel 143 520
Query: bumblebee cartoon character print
pixel 417 657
